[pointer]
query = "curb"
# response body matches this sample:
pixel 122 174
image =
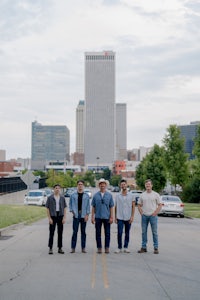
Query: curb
pixel 11 227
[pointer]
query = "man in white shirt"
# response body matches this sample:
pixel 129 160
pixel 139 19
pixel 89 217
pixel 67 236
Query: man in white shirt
pixel 149 205
pixel 124 214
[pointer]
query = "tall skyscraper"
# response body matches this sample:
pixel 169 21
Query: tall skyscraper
pixel 121 132
pixel 100 126
pixel 189 132
pixel 80 111
pixel 49 143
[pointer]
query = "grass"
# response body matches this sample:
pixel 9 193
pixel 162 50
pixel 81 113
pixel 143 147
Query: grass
pixel 14 214
pixel 192 210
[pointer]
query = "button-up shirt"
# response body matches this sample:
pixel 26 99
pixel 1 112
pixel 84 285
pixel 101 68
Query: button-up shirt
pixel 124 204
pixel 102 205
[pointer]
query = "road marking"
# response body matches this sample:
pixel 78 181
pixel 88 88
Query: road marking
pixel 104 270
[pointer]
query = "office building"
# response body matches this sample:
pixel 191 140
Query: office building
pixel 2 155
pixel 189 132
pixel 121 132
pixel 80 111
pixel 49 143
pixel 100 109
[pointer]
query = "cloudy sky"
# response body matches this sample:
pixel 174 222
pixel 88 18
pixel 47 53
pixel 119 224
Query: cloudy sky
pixel 42 45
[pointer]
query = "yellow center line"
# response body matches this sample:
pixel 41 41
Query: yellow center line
pixel 93 279
pixel 104 271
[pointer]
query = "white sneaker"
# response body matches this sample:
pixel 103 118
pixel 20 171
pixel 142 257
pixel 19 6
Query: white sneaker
pixel 126 250
pixel 118 250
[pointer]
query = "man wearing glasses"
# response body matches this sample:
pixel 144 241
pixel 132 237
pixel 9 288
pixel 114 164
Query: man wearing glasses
pixel 102 214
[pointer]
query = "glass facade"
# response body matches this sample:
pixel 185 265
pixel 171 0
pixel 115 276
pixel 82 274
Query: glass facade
pixel 189 133
pixel 49 143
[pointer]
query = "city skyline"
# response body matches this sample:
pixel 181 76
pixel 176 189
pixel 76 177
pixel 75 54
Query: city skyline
pixel 42 65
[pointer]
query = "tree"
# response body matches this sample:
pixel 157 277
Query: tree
pixel 115 180
pixel 196 151
pixel 175 157
pixel 152 167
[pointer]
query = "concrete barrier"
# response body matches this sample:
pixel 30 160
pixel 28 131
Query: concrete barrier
pixel 13 198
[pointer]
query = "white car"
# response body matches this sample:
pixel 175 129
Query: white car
pixel 88 191
pixel 36 197
pixel 172 205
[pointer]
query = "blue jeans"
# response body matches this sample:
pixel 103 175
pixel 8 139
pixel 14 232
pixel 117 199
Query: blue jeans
pixel 120 225
pixel 76 222
pixel 98 225
pixel 153 220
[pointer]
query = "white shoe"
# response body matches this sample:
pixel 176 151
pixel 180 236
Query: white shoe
pixel 126 250
pixel 118 250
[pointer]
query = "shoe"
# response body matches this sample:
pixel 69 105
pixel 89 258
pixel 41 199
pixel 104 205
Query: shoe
pixel 61 251
pixel 118 250
pixel 156 251
pixel 99 250
pixel 126 250
pixel 72 251
pixel 84 251
pixel 107 250
pixel 142 250
pixel 50 251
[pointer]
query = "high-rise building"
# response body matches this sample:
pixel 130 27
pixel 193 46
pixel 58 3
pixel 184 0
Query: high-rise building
pixel 80 111
pixel 49 143
pixel 189 132
pixel 121 132
pixel 100 126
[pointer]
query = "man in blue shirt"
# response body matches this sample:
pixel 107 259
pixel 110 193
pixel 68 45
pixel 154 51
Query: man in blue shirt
pixel 79 206
pixel 102 214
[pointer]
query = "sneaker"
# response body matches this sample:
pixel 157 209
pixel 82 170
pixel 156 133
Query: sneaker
pixel 126 250
pixel 142 250
pixel 50 251
pixel 84 251
pixel 118 250
pixel 61 251
pixel 156 251
pixel 72 251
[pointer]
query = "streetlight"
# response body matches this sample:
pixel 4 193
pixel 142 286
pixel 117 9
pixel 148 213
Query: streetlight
pixel 97 158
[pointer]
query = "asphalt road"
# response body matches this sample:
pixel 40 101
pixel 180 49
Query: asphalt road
pixel 28 272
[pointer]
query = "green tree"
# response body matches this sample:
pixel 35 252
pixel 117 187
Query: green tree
pixel 196 151
pixel 106 174
pixel 115 180
pixel 89 178
pixel 175 157
pixel 153 167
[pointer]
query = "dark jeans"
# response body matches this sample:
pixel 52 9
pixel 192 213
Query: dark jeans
pixel 76 222
pixel 56 221
pixel 98 225
pixel 120 225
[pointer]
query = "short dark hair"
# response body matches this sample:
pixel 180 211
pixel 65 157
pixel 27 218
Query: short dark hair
pixel 123 180
pixel 80 180
pixel 57 184
pixel 148 180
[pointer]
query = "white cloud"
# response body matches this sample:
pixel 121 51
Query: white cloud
pixel 42 64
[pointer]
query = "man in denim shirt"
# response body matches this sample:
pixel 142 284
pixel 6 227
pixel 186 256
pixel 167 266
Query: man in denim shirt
pixel 102 213
pixel 79 205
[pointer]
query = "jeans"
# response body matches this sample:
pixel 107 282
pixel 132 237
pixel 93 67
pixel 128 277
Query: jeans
pixel 76 222
pixel 120 225
pixel 98 225
pixel 153 220
pixel 56 221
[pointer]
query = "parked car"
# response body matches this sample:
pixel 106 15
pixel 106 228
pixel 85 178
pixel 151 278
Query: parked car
pixel 35 197
pixel 172 205
pixel 88 191
pixel 48 192
pixel 136 194
pixel 69 191
pixel 115 189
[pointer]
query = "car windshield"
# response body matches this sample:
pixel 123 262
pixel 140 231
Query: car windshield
pixel 35 194
pixel 171 198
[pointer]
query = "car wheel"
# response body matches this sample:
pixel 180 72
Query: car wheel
pixel 181 216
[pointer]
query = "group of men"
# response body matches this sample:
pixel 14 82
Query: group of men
pixel 104 212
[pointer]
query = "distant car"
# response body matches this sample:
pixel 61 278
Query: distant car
pixel 69 192
pixel 115 189
pixel 48 191
pixel 88 191
pixel 136 194
pixel 172 205
pixel 36 197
